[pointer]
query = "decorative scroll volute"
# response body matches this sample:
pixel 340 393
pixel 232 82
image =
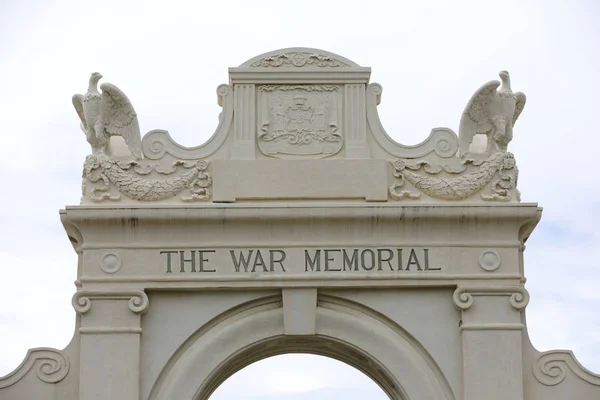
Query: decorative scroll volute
pixel 464 296
pixel 552 367
pixel 137 299
pixel 50 365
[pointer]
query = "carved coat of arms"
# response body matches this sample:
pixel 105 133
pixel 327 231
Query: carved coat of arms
pixel 299 120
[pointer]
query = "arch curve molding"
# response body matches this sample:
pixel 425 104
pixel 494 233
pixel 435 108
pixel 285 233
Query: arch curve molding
pixel 393 359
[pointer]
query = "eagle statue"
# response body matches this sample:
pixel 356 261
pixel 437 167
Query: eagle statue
pixel 491 112
pixel 107 114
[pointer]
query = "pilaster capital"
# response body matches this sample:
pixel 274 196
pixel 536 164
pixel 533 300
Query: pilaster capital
pixel 137 299
pixel 463 296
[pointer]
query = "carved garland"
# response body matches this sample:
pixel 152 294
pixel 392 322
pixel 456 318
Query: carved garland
pixel 128 178
pixel 297 60
pixel 457 188
pixel 307 88
pixel 51 366
pixel 551 367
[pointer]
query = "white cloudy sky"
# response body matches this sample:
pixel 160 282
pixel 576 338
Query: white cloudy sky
pixel 169 57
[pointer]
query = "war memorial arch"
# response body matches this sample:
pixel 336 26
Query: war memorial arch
pixel 300 226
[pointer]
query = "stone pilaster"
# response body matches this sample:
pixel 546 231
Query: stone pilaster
pixel 244 114
pixel 355 121
pixel 110 343
pixel 491 326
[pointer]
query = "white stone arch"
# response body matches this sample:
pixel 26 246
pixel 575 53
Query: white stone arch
pixel 345 331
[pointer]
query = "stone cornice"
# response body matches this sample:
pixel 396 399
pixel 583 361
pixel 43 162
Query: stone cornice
pixel 289 76
pixel 523 212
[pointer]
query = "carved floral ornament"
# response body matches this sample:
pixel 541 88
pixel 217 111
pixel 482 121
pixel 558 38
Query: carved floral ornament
pixel 458 182
pixel 130 179
pixel 302 121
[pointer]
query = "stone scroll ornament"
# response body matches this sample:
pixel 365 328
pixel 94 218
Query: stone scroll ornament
pixel 552 367
pixel 110 113
pixel 491 113
pixel 50 366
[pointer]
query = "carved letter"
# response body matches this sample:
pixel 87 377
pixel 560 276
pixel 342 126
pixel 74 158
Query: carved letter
pixel 241 261
pixel 259 261
pixel 327 260
pixel 203 260
pixel 362 259
pixel 413 260
pixel 399 259
pixel 168 253
pixel 426 254
pixel 349 261
pixel 280 261
pixel 381 260
pixel 316 262
pixel 192 260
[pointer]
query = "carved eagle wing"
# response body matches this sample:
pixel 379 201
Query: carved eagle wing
pixel 475 119
pixel 521 99
pixel 78 103
pixel 119 118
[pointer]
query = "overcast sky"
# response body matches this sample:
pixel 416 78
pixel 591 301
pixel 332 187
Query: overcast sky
pixel 170 56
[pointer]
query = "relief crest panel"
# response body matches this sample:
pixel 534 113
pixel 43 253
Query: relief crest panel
pixel 299 120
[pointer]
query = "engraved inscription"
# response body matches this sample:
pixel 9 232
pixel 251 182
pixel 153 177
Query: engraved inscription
pixel 366 260
pixel 298 260
pixel 252 260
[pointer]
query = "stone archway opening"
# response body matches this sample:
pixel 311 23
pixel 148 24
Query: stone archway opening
pixel 344 331
pixel 293 376
pixel 303 345
pixel 309 345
